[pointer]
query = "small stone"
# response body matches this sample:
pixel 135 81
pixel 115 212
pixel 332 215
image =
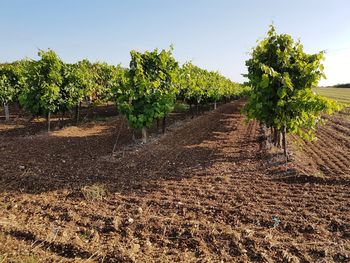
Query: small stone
pixel 131 220
pixel 136 248
pixel 22 167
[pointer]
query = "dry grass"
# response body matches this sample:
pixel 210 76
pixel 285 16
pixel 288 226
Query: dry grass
pixel 82 131
pixel 339 94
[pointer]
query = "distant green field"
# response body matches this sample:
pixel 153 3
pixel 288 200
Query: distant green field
pixel 339 94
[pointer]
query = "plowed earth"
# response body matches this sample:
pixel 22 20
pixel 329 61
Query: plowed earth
pixel 209 190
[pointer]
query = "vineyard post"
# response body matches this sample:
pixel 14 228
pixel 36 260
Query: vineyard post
pixel 49 121
pixel 77 112
pixel 61 123
pixel 7 112
pixel 284 141
pixel 144 134
pixel 277 137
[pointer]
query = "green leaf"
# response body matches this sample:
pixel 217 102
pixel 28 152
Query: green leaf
pixel 264 83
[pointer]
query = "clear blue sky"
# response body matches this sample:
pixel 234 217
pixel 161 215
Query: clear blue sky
pixel 215 34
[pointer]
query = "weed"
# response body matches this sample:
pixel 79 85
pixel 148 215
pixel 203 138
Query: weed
pixel 181 107
pixel 95 192
pixel 30 259
pixel 86 235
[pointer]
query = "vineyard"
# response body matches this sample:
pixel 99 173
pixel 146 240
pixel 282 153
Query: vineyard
pixel 144 93
pixel 163 162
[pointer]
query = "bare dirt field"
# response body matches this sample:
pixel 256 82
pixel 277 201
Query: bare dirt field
pixel 209 190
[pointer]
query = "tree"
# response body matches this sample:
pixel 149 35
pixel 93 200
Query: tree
pixel 192 84
pixel 199 86
pixel 281 75
pixel 8 87
pixel 41 94
pixel 77 84
pixel 215 87
pixel 105 77
pixel 148 90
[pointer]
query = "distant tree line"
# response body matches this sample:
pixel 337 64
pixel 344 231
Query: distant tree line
pixel 346 85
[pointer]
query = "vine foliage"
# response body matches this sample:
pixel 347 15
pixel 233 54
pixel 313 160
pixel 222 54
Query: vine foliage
pixel 281 76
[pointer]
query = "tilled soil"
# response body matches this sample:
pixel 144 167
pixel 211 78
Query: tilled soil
pixel 207 191
pixel 331 152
